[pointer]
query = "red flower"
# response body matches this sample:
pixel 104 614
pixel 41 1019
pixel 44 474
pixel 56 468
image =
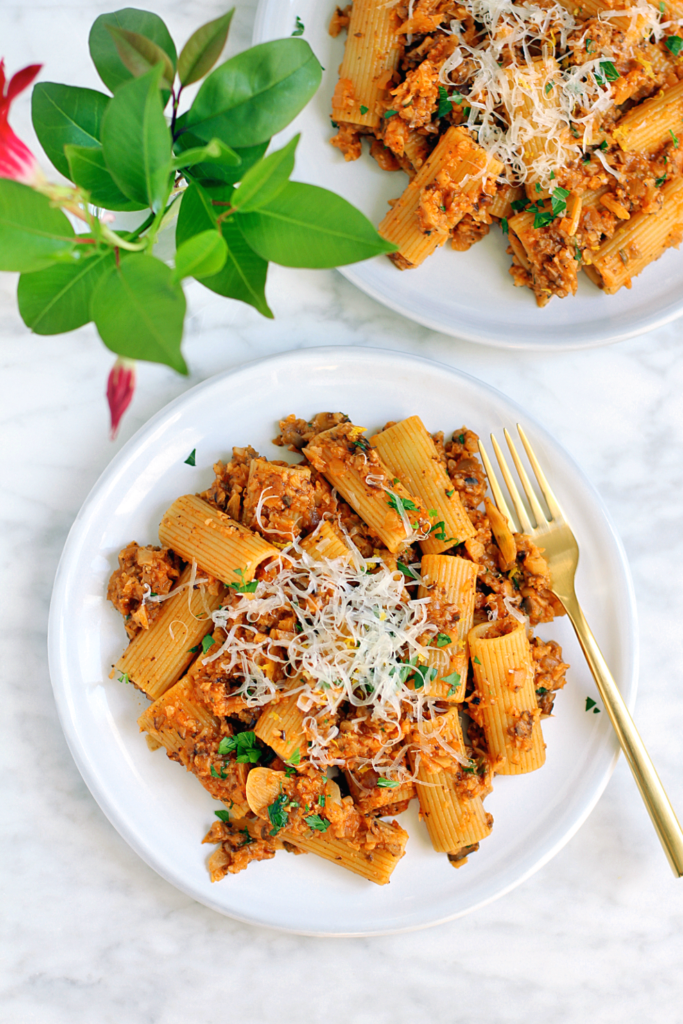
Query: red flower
pixel 16 160
pixel 120 388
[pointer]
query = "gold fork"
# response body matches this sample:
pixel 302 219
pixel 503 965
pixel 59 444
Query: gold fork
pixel 552 533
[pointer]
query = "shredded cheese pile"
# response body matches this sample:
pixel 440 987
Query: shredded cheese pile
pixel 562 100
pixel 360 639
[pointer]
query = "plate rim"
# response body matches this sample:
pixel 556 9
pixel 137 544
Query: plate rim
pixel 602 338
pixel 57 652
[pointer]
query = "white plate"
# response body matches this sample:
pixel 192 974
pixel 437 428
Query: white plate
pixel 469 295
pixel 162 811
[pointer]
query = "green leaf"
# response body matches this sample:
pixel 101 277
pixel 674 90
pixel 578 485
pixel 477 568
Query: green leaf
pixel 137 142
pixel 307 226
pixel 57 299
pixel 140 54
pixel 384 783
pixel 89 171
pixel 207 643
pixel 139 312
pixel 105 56
pixel 66 115
pixel 219 172
pixel 213 152
pixel 223 815
pixel 317 822
pixel 191 460
pixel 200 256
pixel 32 233
pixel 203 48
pixel 266 179
pixel 255 94
pixel 244 274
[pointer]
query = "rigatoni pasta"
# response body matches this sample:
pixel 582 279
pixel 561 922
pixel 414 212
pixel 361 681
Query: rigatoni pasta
pixel 320 664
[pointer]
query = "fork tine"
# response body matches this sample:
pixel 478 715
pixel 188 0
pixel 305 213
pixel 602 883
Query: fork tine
pixel 526 483
pixel 551 500
pixel 496 491
pixel 522 516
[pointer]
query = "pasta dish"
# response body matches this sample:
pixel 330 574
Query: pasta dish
pixel 558 120
pixel 327 640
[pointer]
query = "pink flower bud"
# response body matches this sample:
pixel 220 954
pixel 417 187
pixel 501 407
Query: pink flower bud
pixel 16 160
pixel 120 388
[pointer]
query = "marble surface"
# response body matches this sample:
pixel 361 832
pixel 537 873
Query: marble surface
pixel 89 933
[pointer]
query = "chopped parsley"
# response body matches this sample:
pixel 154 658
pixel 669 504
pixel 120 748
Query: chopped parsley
pixel 548 87
pixel 194 650
pixel 243 587
pixel 445 105
pixel 505 229
pixel 207 643
pixel 552 175
pixel 603 145
pixel 674 44
pixel 461 437
pixel 244 745
pixel 661 7
pixel 318 823
pixel 191 459
pixel 591 704
pixel 295 758
pixel 223 815
pixel 538 186
pixel 588 43
pixel 124 678
pixel 407 571
pixel 558 200
pixel 400 505
pixel 321 800
pixel 466 111
pixel 476 661
pixel 541 691
pixel 363 109
pixel 390 113
pixel 277 814
pixel 458 97
pixel 247 838
pixel 442 640
pixel 609 71
pixel 517 205
pixel 660 181
pixel 453 681
pixel 674 139
pixel 439 531
pixel 423 674
pixel 387 783
pixel 222 774
pixel 298 27
pixel 449 494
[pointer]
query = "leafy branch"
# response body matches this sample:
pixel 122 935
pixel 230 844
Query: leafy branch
pixel 136 151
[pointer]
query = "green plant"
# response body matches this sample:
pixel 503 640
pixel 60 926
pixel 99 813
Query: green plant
pixel 134 150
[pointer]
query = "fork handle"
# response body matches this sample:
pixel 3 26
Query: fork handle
pixel 653 794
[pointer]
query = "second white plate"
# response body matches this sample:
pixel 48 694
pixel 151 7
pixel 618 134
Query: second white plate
pixel 469 295
pixel 162 811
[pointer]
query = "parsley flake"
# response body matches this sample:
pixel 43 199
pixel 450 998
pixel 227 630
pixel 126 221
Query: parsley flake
pixel 390 113
pixel 244 745
pixel 223 815
pixel 675 140
pixel 295 758
pixel 476 661
pixel 660 181
pixel 442 640
pixel 449 494
pixel 407 571
pixel 609 71
pixel 517 205
pixel 504 225
pixel 124 678
pixel 538 186
pixel 298 27
pixel 194 650
pixel 387 783
pixel 318 823
pixel 243 587
pixel 277 814
pixel 548 87
pixel 445 105
pixel 321 800
pixel 590 703
pixel 207 643
pixel 222 774
pixel 453 681
pixel 674 44
pixel 191 459
pixel 363 109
